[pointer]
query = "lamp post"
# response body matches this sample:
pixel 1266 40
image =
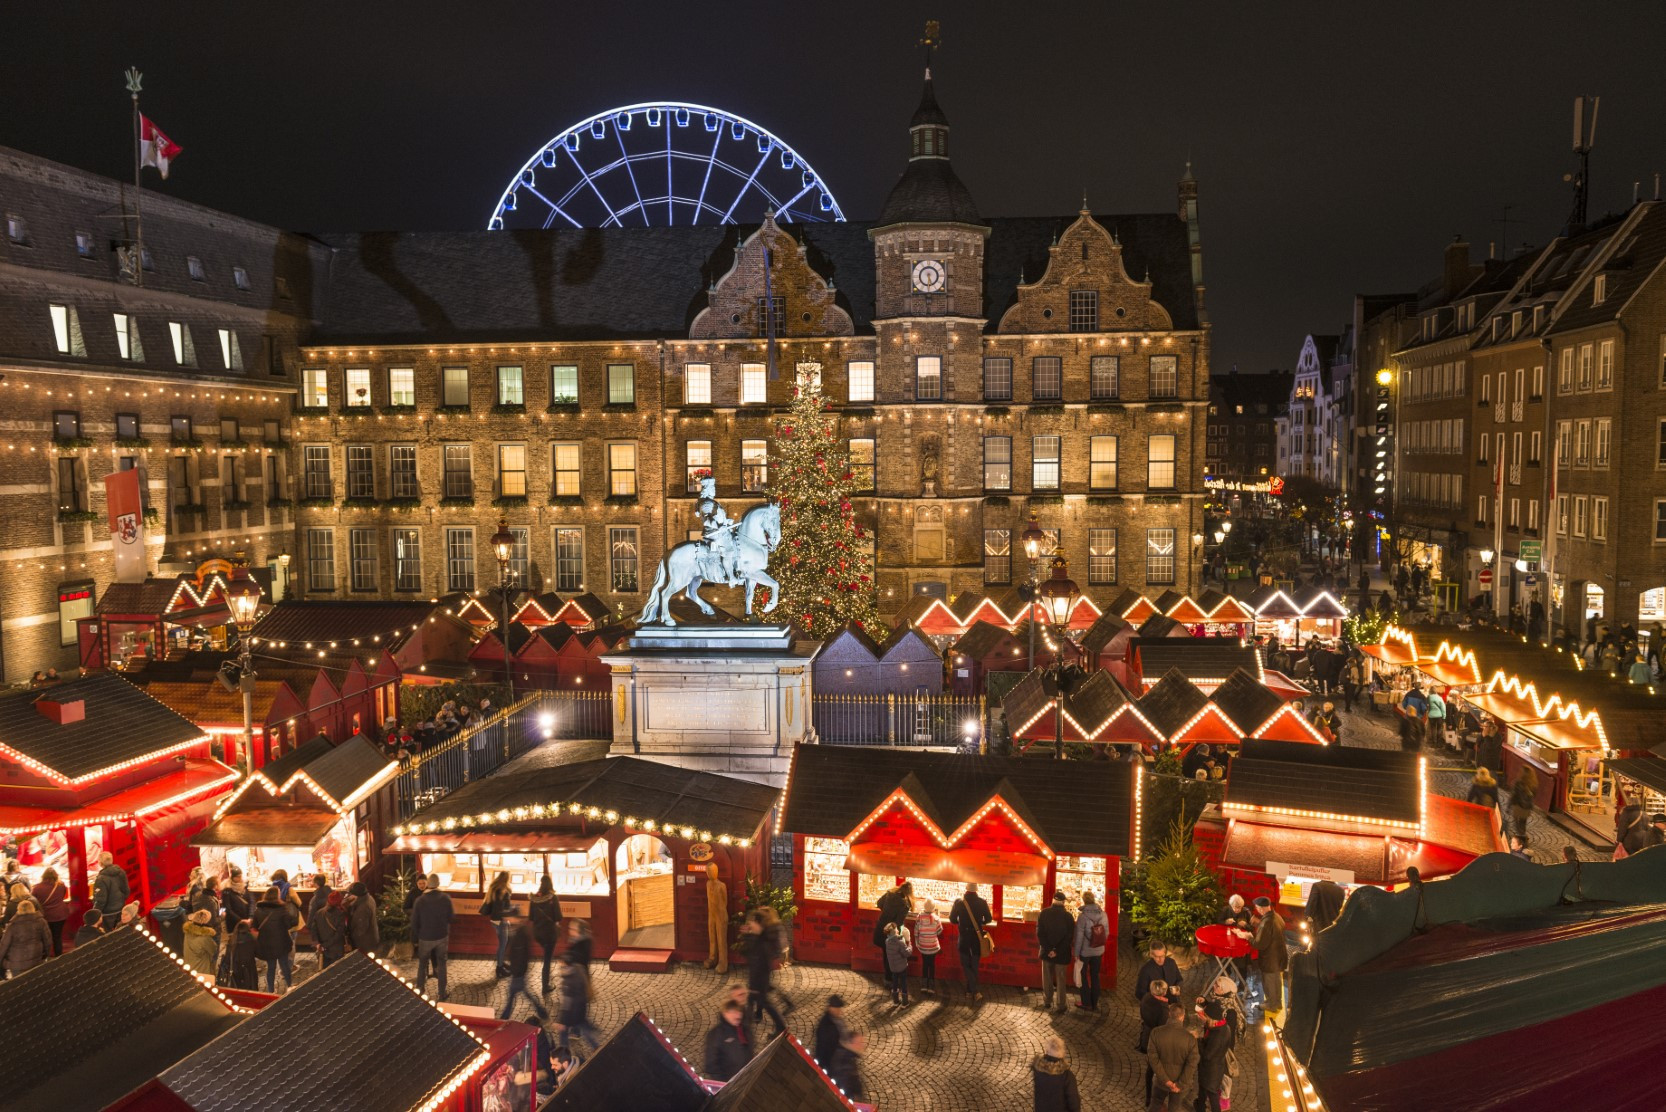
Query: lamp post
pixel 1058 598
pixel 503 544
pixel 1033 538
pixel 243 596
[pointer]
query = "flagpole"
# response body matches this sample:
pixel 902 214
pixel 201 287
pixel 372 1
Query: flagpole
pixel 133 79
pixel 1498 535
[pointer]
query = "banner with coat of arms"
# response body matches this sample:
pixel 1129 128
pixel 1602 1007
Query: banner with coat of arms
pixel 127 524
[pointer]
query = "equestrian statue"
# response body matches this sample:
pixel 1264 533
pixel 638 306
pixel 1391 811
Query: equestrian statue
pixel 728 552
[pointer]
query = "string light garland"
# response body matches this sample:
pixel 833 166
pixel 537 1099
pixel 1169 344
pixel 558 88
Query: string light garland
pixel 218 783
pixel 535 811
pixel 948 841
pixel 110 770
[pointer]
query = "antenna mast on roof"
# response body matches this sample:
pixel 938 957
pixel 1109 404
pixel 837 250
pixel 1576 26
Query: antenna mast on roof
pixel 1584 138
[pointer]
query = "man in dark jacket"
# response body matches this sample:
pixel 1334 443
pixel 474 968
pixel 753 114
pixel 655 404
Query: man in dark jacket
pixel 1213 1050
pixel 1054 930
pixel 431 931
pixel 970 915
pixel 1271 956
pixel 520 961
pixel 847 1066
pixel 830 1031
pixel 109 890
pixel 894 906
pixel 414 892
pixel 1054 1082
pixel 1158 967
pixel 320 895
pixel 92 927
pixel 1154 1012
pixel 727 1047
pixel 1173 1059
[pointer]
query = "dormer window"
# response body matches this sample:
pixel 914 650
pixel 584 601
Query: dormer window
pixel 1515 323
pixel 1599 289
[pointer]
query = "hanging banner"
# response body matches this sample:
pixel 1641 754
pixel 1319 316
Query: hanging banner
pixel 127 524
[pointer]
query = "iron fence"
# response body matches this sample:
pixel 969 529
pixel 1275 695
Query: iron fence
pixel 925 720
pixel 512 732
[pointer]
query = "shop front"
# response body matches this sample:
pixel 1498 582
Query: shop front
pixel 865 821
pixel 319 810
pixel 1563 743
pixel 136 623
pixel 626 843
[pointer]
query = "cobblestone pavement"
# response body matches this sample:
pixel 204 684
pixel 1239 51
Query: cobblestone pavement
pixel 937 1055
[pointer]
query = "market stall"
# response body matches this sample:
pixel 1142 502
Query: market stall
pixel 1296 814
pixel 96 765
pixel 626 842
pixel 134 623
pixel 867 820
pixel 320 809
pixel 1294 617
pixel 1563 742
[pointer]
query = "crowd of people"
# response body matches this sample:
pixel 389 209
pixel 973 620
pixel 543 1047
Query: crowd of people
pixel 453 717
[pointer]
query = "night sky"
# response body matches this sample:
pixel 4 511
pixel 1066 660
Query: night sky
pixel 1336 153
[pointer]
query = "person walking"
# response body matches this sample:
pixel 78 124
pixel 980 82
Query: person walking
pixel 1173 1057
pixel 497 906
pixel 26 941
pixel 928 940
pixel 1435 733
pixel 847 1066
pixel 328 926
pixel 1353 679
pixel 728 1047
pixel 1052 1080
pixel 520 961
pixel 1271 956
pixel 274 917
pixel 544 909
pixel 364 929
pixel 91 929
pixel 110 889
pixel 1093 934
pixel 1214 1060
pixel 969 916
pixel 431 915
pixel 897 955
pixel 1483 789
pixel 579 942
pixel 1055 931
pixel 52 898
pixel 573 1016
pixel 764 947
pixel 831 1030
pixel 1519 803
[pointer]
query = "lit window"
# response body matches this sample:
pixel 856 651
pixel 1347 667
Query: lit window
pixel 623 558
pixel 1105 375
pixel 66 330
pixel 84 244
pixel 459 559
pixel 402 386
pixel 315 388
pixel 1102 463
pixel 1159 556
pixel 454 392
pixel 407 559
pixel 1599 518
pixel 563 384
pixel 357 380
pixel 510 386
pixel 362 570
pixel 862 459
pixel 402 470
pixel 569 558
pixel 621 384
pixel 511 470
pixel 185 352
pixel 1159 462
pixel 1605 365
pixel 861 381
pixel 697 384
pixel 698 454
pixel 231 352
pixel 1101 556
pixel 457 472
pixel 1047 378
pixel 621 469
pixel 997 463
pixel 17 229
pixel 1044 463
pixel 315 472
pixel 754 384
pixel 567 458
pixel 321 560
pixel 928 378
pixel 997 555
pixel 127 338
pixel 754 465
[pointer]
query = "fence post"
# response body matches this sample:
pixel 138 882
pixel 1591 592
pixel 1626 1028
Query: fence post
pixel 890 719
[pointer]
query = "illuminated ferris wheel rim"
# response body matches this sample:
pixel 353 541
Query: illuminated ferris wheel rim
pixel 596 125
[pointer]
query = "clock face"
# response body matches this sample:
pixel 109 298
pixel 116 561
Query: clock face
pixel 929 276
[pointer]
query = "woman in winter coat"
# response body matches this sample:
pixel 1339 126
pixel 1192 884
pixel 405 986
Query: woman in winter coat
pixel 364 932
pixel 573 1015
pixel 1518 805
pixel 763 927
pixel 15 895
pixel 496 906
pixel 545 912
pixel 1054 1081
pixel 202 943
pixel 1484 789
pixel 26 941
pixel 52 898
pixel 928 939
pixel 329 930
pixel 274 918
pixel 1093 934
pixel 894 907
pixel 897 953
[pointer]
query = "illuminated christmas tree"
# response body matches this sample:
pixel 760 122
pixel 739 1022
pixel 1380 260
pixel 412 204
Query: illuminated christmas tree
pixel 823 565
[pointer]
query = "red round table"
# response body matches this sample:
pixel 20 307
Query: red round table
pixel 1222 943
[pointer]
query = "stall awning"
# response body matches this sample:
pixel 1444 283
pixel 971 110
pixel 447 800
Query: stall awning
pixel 1556 734
pixel 269 826
pixel 1391 653
pixel 200 778
pixel 199 616
pixel 1648 771
pixel 1254 846
pixel 494 841
pixel 969 866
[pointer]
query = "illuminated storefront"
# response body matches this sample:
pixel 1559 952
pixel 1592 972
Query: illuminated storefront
pixel 867 820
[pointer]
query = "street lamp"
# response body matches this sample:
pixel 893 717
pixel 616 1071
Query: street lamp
pixel 1226 526
pixel 1033 537
pixel 503 543
pixel 1058 599
pixel 243 596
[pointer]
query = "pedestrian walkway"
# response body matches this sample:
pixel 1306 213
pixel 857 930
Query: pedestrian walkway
pixel 937 1055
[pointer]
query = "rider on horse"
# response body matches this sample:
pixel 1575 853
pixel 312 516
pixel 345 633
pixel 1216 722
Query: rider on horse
pixel 718 531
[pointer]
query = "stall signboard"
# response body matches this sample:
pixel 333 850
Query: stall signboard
pixel 1282 869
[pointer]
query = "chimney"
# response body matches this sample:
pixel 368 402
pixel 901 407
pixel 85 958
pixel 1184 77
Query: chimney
pixel 1457 272
pixel 63 713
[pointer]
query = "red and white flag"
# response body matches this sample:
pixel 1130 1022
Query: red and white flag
pixel 155 149
pixel 127 524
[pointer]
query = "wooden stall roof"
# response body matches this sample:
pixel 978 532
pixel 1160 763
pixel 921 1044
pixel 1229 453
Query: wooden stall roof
pixel 353 1036
pixel 1109 632
pixel 121 726
pixel 1274 778
pixel 1072 806
pixel 1096 709
pixel 1205 661
pixel 636 1068
pixel 85 1029
pixel 1172 702
pixel 672 798
pixel 195 778
pixel 343 622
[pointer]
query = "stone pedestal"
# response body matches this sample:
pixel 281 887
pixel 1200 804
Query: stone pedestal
pixel 733 700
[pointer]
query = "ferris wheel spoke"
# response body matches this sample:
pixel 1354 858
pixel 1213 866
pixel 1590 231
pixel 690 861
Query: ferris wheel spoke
pixel 555 209
pixel 790 203
pixel 727 216
pixel 626 156
pixel 612 217
pixel 670 186
pixel 711 160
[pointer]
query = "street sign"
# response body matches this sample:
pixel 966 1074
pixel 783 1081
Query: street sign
pixel 1531 551
pixel 1532 579
pixel 1486 577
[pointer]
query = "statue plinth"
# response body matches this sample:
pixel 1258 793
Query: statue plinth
pixel 730 699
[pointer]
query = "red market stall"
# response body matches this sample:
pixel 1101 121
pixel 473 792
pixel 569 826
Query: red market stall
pixel 865 820
pixel 987 648
pixel 322 809
pixel 135 623
pixel 625 840
pixel 1205 661
pixel 96 765
pixel 1096 710
pixel 1295 814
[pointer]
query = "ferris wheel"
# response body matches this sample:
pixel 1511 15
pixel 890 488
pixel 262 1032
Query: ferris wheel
pixel 662 164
